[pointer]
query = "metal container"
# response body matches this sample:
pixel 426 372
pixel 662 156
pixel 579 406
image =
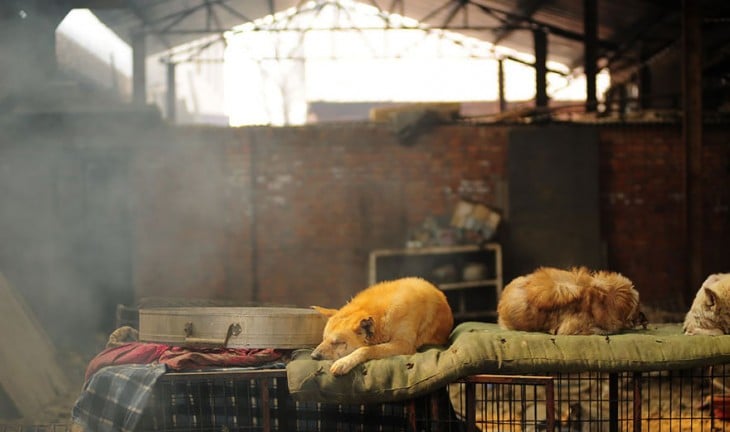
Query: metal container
pixel 474 272
pixel 232 327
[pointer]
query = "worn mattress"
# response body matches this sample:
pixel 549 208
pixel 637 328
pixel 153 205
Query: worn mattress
pixel 485 348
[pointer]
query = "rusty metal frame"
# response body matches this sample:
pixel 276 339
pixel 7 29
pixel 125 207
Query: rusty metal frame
pixel 470 382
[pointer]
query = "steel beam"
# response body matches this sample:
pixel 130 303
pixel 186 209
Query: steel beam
pixel 139 68
pixel 541 44
pixel 645 88
pixel 692 136
pixel 500 84
pixel 590 44
pixel 525 10
pixel 171 101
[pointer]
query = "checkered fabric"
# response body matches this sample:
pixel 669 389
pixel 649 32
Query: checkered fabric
pixel 226 402
pixel 115 397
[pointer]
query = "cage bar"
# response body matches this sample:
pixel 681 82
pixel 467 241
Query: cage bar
pixel 692 400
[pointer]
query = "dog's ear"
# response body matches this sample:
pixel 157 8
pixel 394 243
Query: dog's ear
pixel 367 325
pixel 711 280
pixel 325 311
pixel 710 299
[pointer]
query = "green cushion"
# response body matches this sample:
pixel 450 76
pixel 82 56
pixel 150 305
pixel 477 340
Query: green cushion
pixel 485 348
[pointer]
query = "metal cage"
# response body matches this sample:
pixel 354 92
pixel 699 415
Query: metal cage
pixel 245 400
pixel 671 401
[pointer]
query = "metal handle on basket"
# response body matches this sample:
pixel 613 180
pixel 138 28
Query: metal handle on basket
pixel 233 330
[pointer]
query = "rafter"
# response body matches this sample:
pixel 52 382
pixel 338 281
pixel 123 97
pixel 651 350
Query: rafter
pixel 181 17
pixel 236 13
pixel 639 32
pixel 138 12
pixel 457 6
pixel 525 8
pixel 530 23
pixel 212 17
pixel 435 12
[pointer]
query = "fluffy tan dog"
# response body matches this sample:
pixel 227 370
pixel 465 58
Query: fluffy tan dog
pixel 570 302
pixel 386 319
pixel 710 310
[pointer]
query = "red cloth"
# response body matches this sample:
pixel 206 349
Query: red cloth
pixel 134 352
pixel 179 358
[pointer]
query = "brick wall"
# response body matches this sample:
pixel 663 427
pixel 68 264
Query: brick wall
pixel 716 199
pixel 327 196
pixel 99 212
pixel 192 215
pixel 642 208
pixel 289 215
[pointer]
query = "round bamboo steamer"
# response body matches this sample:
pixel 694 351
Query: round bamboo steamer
pixel 232 327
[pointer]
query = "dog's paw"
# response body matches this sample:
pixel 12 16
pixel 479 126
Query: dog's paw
pixel 342 366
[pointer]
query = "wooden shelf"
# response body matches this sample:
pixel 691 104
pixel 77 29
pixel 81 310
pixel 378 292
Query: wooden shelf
pixel 469 284
pixel 469 299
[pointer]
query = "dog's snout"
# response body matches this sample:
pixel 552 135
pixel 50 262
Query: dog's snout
pixel 316 355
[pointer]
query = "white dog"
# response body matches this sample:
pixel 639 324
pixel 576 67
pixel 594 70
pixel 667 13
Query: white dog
pixel 710 311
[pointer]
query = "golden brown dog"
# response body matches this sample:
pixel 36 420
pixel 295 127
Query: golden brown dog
pixel 386 319
pixel 572 302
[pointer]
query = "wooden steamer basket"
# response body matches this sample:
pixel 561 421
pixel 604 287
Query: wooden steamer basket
pixel 232 327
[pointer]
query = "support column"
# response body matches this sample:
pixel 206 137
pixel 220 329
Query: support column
pixel 500 79
pixel 692 136
pixel 645 90
pixel 643 80
pixel 139 69
pixel 540 39
pixel 171 101
pixel 590 43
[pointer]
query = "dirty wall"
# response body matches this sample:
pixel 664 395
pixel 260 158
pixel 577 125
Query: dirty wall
pixel 289 215
pixel 642 175
pixel 102 210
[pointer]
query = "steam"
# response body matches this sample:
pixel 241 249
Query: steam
pixel 65 230
pixel 65 241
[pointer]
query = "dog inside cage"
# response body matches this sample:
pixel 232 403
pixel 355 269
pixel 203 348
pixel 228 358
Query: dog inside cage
pixel 682 400
pixel 694 399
